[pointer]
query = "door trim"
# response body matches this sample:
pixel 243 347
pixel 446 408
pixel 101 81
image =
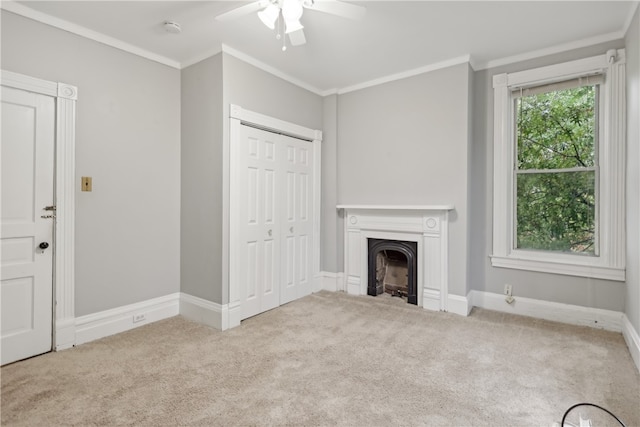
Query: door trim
pixel 63 334
pixel 237 117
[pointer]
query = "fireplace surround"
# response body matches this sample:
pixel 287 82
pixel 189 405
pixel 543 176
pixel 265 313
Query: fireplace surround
pixel 426 226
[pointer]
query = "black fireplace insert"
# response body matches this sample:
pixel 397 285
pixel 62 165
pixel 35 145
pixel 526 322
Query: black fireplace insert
pixel 393 268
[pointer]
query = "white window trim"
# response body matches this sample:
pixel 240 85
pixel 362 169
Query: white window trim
pixel 610 263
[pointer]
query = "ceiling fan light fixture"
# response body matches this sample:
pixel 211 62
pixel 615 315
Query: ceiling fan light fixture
pixel 293 26
pixel 291 10
pixel 269 15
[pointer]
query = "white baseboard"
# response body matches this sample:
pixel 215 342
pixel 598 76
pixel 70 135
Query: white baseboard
pixel 65 334
pixel 632 339
pixel 459 305
pixel 331 281
pixel 233 317
pixel 455 303
pixel 558 312
pixel 431 299
pixel 317 283
pixel 207 312
pixel 110 322
pixel 352 285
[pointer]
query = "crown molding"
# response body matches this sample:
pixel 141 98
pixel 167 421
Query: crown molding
pixel 269 69
pixel 632 12
pixel 409 73
pixel 27 12
pixel 565 47
pixel 251 61
pixel 206 55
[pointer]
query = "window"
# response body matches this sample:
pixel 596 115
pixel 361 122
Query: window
pixel 559 169
pixel 556 165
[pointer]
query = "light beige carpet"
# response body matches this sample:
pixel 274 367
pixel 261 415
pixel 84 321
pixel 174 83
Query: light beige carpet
pixel 330 359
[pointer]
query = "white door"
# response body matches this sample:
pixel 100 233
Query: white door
pixel 298 226
pixel 26 237
pixel 275 226
pixel 259 226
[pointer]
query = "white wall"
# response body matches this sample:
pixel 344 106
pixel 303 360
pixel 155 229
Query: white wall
pixel 632 300
pixel 585 292
pixel 201 180
pixel 406 142
pixel 128 140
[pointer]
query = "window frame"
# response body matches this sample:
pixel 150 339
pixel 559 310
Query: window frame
pixel 609 263
pixel 598 127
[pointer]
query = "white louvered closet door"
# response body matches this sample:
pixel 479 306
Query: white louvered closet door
pixel 275 226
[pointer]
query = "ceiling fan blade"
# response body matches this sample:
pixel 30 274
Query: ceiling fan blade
pixel 336 7
pixel 242 10
pixel 297 38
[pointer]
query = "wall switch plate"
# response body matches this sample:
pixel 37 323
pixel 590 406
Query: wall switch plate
pixel 86 183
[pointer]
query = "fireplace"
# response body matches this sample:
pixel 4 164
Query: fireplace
pixel 421 235
pixel 393 268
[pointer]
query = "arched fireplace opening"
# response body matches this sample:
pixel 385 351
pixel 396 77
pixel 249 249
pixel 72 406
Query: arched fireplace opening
pixel 393 268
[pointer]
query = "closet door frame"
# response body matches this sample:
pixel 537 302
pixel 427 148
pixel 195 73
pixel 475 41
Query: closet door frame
pixel 238 117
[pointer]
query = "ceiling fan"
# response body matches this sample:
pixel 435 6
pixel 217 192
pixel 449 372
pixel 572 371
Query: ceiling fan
pixel 286 14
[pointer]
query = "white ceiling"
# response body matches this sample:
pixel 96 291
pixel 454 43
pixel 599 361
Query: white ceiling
pixel 394 36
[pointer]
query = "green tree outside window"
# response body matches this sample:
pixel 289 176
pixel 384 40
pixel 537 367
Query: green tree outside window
pixel 556 170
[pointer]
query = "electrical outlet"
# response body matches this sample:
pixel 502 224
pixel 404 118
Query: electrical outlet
pixel 507 290
pixel 139 318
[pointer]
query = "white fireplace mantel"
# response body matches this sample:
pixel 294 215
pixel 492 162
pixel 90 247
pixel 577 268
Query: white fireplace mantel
pixel 398 207
pixel 427 225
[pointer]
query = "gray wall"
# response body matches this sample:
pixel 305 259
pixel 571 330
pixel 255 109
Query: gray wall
pixel 208 88
pixel 259 91
pixel 329 229
pixel 264 93
pixel 549 287
pixel 472 252
pixel 128 140
pixel 632 300
pixel 406 142
pixel 480 185
pixel 201 180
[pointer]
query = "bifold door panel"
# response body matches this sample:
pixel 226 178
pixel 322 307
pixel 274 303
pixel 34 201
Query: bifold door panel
pixel 275 224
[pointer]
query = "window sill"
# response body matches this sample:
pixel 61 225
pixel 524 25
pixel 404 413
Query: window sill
pixel 555 267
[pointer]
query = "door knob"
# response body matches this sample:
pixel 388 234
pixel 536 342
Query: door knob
pixel 270 232
pixel 291 229
pixel 43 245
